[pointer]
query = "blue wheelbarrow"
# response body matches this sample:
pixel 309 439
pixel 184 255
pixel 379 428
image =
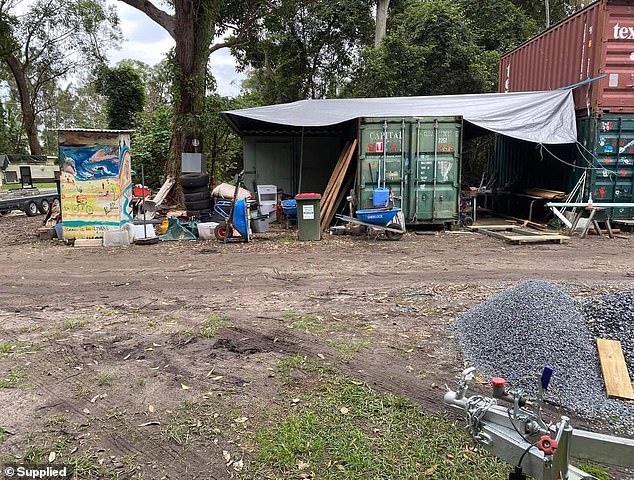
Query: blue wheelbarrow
pixel 237 220
pixel 389 221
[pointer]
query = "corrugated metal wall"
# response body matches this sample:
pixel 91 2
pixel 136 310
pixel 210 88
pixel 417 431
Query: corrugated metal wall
pixel 596 40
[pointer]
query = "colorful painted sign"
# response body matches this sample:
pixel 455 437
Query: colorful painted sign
pixel 96 181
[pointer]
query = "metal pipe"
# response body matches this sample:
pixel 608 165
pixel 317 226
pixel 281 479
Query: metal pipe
pixel 416 173
pixel 433 198
pixel 402 161
pixel 301 163
pixel 143 189
pixel 384 150
pixel 593 205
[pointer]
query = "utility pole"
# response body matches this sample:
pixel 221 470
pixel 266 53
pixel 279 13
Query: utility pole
pixel 547 6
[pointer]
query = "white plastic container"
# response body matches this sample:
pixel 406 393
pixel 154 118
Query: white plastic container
pixel 139 231
pixel 206 230
pixel 116 238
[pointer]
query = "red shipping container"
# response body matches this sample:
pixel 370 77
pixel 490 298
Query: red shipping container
pixel 596 40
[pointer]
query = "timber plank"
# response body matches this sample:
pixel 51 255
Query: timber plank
pixel 615 375
pixel 330 203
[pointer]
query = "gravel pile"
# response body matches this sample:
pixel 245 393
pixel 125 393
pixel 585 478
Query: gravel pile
pixel 612 316
pixel 515 333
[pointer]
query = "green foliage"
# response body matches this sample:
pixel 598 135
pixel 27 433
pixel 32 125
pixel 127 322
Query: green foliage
pixel 306 48
pixel 11 137
pixel 47 42
pixel 431 50
pixel 495 31
pixel 125 92
pixel 222 146
pixel 151 143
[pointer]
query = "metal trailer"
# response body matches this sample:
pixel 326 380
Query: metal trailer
pixel 30 201
pixel 511 426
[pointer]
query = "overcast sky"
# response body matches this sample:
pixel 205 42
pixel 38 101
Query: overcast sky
pixel 146 41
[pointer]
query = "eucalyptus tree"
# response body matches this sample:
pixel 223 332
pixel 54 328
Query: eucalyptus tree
pixel 48 42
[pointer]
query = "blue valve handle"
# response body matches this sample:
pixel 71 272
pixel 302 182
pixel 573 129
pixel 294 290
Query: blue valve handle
pixel 546 376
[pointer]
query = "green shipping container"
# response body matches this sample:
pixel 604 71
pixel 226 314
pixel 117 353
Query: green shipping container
pixel 609 141
pixel 420 159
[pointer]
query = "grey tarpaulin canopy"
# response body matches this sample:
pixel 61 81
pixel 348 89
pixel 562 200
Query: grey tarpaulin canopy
pixel 540 117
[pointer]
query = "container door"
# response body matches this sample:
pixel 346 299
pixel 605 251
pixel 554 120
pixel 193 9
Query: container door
pixel 384 159
pixel 436 174
pixel 25 176
pixel 613 177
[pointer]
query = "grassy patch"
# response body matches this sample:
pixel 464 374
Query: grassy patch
pixel 347 348
pixel 75 323
pixel 85 465
pixel 344 430
pixel 595 470
pixel 5 347
pixel 104 379
pixel 56 421
pixel 308 322
pixel 14 379
pixel 81 391
pixel 212 326
pixel 3 435
pixel 304 364
pixel 193 419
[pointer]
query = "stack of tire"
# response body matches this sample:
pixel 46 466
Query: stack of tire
pixel 198 201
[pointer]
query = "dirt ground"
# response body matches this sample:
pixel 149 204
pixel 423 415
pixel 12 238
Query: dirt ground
pixel 108 355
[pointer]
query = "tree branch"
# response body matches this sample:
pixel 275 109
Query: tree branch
pixel 164 19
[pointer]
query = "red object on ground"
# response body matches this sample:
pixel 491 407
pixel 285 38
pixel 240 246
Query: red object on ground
pixel 547 445
pixel 498 382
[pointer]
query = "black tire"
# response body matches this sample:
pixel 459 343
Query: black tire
pixel 467 221
pixel 196 196
pixel 221 231
pixel 393 235
pixel 188 190
pixel 194 180
pixel 206 204
pixel 199 213
pixel 31 209
pixel 45 206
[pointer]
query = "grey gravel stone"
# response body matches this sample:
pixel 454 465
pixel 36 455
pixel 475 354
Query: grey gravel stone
pixel 513 334
pixel 612 316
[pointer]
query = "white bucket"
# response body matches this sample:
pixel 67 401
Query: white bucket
pixel 206 230
pixel 140 232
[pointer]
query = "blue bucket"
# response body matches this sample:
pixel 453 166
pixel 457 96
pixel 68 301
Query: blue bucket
pixel 380 197
pixel 240 219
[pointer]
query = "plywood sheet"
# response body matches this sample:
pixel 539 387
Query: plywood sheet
pixel 617 380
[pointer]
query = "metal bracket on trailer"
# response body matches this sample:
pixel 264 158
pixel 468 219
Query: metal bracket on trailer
pixel 498 428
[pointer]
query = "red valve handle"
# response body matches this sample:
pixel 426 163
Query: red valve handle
pixel 547 445
pixel 498 382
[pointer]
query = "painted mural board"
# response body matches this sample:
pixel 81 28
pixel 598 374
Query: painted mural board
pixel 95 180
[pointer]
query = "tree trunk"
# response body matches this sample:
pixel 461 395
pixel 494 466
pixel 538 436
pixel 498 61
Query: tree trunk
pixel 28 112
pixel 381 21
pixel 193 32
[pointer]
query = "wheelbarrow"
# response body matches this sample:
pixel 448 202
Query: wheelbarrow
pixel 391 221
pixel 237 219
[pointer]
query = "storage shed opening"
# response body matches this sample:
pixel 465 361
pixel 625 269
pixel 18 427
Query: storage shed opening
pixel 294 159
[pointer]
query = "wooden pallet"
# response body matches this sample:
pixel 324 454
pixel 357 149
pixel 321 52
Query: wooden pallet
pixel 517 235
